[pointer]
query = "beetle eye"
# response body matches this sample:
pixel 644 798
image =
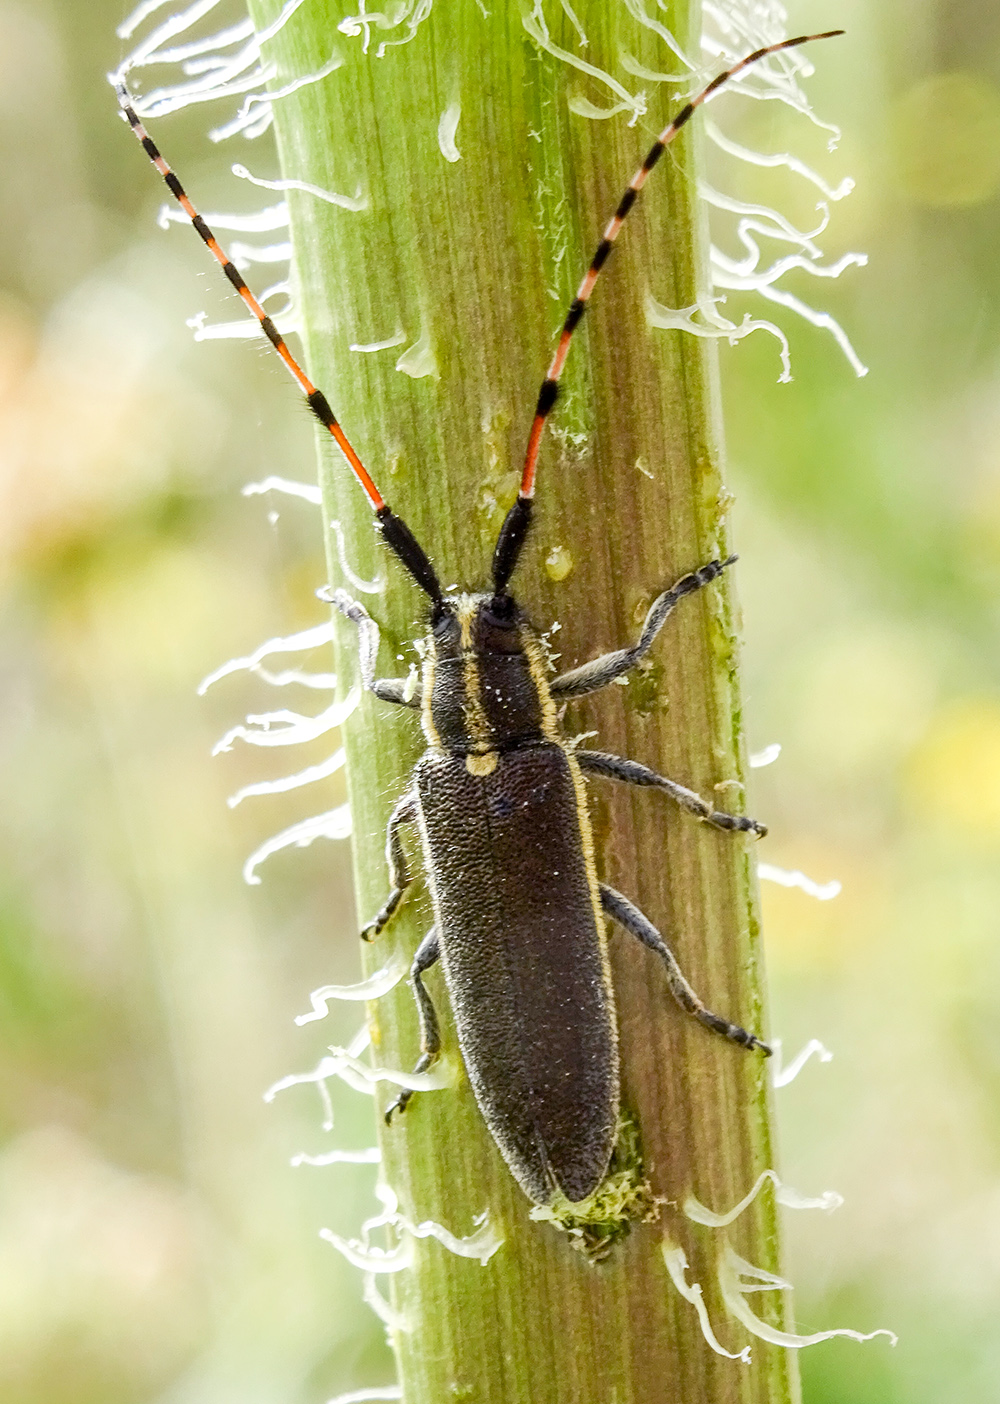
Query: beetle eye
pixel 443 623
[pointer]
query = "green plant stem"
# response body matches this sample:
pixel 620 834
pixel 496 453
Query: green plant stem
pixel 480 257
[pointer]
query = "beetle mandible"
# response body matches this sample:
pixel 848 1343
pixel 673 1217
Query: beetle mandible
pixel 518 908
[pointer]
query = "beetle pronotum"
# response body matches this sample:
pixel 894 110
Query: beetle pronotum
pixel 518 908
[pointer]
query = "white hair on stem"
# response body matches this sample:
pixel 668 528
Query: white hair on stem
pixel 480 1245
pixel 392 1319
pixel 447 127
pixel 536 26
pixel 412 13
pixel 258 222
pixel 784 877
pixel 287 728
pixel 334 824
pixel 309 776
pixel 373 987
pixel 781 1075
pixel 244 255
pixel 828 1201
pixel 714 325
pixel 363 1396
pixel 303 641
pixel 309 492
pixel 737 1277
pixel 348 1066
pixel 286 322
pixel 368 1155
pixel 677 1265
pixel 344 202
pixel 211 71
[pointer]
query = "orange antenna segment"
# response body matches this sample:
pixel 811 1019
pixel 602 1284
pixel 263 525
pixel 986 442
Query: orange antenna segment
pixel 550 385
pixel 315 399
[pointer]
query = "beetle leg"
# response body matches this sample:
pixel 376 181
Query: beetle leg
pixel 430 1034
pixel 632 773
pixel 399 870
pixel 397 690
pixel 628 915
pixel 592 676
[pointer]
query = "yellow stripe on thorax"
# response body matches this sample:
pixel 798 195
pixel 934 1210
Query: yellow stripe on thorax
pixel 427 698
pixel 482 758
pixel 539 676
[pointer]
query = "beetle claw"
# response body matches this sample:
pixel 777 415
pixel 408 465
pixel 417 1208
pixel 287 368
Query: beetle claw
pixel 399 1105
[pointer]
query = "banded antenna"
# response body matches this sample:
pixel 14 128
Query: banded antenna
pixel 398 536
pixel 516 523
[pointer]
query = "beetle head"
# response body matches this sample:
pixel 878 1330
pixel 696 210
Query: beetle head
pixel 481 625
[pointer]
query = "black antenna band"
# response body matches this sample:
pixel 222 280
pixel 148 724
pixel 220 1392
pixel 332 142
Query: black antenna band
pixel 400 540
pixel 509 542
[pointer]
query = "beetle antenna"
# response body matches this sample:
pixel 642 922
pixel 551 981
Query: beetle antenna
pixel 515 526
pixel 396 534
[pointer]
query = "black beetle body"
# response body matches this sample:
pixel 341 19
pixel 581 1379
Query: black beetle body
pixel 500 802
pixel 508 850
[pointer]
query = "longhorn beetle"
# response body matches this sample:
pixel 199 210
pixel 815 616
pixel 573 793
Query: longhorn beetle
pixel 518 908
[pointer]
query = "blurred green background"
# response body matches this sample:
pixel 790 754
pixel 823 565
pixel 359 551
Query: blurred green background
pixel 154 1242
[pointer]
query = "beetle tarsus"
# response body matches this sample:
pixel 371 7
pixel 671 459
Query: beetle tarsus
pixel 430 1033
pixel 406 1095
pixel 733 1032
pixel 599 672
pixel 399 1105
pixel 381 920
pixel 628 915
pixel 405 812
pixel 632 772
pixel 735 823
